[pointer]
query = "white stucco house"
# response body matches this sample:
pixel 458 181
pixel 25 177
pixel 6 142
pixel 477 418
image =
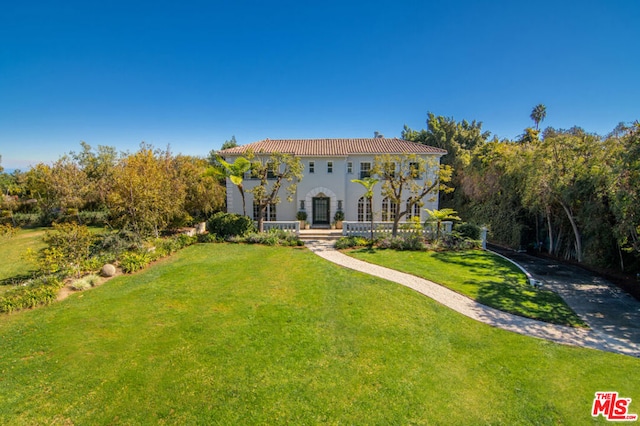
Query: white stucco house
pixel 329 166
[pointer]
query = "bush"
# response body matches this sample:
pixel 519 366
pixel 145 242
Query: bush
pixel 349 242
pixel 409 241
pixel 27 219
pixel 40 291
pixel 226 225
pixel 68 246
pixel 132 261
pixel 455 241
pixel 207 238
pixel 116 243
pixel 468 230
pixel 97 218
pixel 301 215
pixel 7 231
pixel 272 237
pixel 85 283
pixel 338 216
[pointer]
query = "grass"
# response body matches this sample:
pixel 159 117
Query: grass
pixel 482 276
pixel 238 334
pixel 12 263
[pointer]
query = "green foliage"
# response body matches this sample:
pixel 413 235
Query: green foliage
pixel 208 238
pixel 68 246
pixel 350 242
pixel 408 241
pixel 301 215
pixel 467 230
pixel 40 291
pixel 338 216
pixel 132 261
pixel 7 231
pixel 274 237
pixel 85 282
pixel 226 225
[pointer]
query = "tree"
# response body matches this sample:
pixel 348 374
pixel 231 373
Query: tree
pixel 368 183
pixel 272 173
pixel 146 193
pixel 624 188
pixel 538 114
pixel 407 179
pixel 232 143
pixel 203 193
pixel 234 172
pixel 99 168
pixel 459 139
pixel 439 216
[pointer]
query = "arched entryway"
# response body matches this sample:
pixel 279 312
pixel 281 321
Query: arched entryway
pixel 322 202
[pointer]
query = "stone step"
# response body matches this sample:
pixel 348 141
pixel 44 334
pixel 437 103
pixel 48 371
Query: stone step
pixel 320 234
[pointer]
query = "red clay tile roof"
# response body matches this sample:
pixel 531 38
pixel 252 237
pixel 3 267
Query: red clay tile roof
pixel 335 147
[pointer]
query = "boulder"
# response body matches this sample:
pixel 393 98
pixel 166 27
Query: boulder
pixel 108 270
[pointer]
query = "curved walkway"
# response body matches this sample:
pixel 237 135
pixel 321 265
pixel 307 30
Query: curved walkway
pixel 472 309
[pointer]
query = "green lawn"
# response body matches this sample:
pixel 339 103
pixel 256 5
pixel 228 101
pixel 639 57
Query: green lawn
pixel 12 251
pixel 480 275
pixel 237 334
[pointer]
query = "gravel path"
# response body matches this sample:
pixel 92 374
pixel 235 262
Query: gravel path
pixel 561 334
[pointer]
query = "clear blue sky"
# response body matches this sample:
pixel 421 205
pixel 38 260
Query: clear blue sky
pixel 192 74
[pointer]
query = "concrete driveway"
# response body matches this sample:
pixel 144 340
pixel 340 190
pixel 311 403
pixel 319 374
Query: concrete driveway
pixel 609 311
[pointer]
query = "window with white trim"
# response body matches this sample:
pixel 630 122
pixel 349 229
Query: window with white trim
pixel 365 170
pixel 364 213
pixel 388 210
pixel 269 213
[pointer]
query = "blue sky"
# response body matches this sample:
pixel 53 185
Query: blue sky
pixel 192 74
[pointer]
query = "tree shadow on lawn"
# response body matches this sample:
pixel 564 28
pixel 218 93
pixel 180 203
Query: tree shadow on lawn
pixel 479 262
pixel 516 298
pixel 509 290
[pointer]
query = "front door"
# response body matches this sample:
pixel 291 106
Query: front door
pixel 321 210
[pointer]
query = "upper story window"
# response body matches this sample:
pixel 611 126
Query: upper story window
pixel 350 167
pixel 415 170
pixel 365 170
pixel 271 171
pixel 312 166
pixel 329 166
pixel 390 169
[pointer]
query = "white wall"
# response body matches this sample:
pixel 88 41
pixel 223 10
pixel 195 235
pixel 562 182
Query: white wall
pixel 337 186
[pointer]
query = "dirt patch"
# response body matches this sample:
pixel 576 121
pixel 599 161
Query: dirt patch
pixel 68 290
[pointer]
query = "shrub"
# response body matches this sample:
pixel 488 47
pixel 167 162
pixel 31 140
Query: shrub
pixel 40 291
pixel 409 241
pixel 468 230
pixel 207 238
pixel 349 242
pixel 85 283
pixel 132 261
pixel 68 246
pixel 338 216
pixel 27 219
pixel 455 241
pixel 93 217
pixel 118 242
pixel 272 237
pixel 7 231
pixel 226 225
pixel 301 215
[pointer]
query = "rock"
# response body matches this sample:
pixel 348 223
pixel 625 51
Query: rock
pixel 108 270
pixel 201 228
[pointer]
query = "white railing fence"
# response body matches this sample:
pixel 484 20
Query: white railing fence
pixel 363 229
pixel 284 225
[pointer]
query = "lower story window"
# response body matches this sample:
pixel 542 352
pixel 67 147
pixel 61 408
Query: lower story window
pixel 364 213
pixel 413 210
pixel 388 210
pixel 269 214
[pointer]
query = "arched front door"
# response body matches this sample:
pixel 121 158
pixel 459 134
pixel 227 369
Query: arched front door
pixel 321 210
